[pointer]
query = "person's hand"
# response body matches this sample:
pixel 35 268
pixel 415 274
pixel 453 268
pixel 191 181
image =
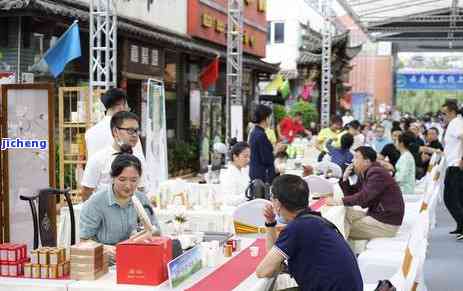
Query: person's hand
pixel 308 170
pixel 348 172
pixel 331 201
pixel 269 214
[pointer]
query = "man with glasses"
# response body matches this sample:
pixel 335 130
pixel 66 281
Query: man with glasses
pixel 125 127
pixel 380 140
pixel 99 136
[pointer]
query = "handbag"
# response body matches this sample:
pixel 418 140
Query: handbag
pixel 258 189
pixel 385 285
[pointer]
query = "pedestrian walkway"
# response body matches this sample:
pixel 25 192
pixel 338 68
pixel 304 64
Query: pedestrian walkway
pixel 444 261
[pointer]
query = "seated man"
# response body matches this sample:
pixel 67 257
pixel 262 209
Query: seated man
pixel 375 190
pixel 318 256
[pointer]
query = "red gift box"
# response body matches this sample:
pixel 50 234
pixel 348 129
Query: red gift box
pixel 143 262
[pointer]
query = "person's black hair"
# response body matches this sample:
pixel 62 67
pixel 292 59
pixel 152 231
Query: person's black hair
pixel 336 119
pixel 232 141
pixel 435 129
pixel 261 113
pixel 451 105
pixel 112 97
pixel 355 124
pixel 292 192
pixel 396 128
pixel 119 118
pixel 125 159
pixel 237 149
pixel 367 153
pixel 298 113
pixel 407 138
pixel 396 124
pixel 347 140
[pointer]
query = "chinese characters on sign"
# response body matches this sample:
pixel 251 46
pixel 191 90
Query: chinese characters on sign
pixel 429 81
pixel 145 56
pixel 134 54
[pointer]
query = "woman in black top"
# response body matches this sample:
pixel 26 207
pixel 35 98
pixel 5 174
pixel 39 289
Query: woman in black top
pixel 262 161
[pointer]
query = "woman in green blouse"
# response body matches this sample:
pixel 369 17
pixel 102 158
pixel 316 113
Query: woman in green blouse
pixel 405 166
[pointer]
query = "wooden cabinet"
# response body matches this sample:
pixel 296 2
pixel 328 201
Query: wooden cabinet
pixel 74 119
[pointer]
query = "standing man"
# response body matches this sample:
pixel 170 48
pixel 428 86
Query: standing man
pixel 99 136
pixel 289 128
pixel 125 127
pixel 453 186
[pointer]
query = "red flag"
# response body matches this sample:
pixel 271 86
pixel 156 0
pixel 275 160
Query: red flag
pixel 210 74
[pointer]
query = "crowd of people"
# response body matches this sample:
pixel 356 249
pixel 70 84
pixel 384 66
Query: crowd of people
pixel 380 163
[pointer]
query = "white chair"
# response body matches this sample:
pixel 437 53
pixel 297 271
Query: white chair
pixel 248 216
pixel 325 166
pixel 382 263
pixel 318 185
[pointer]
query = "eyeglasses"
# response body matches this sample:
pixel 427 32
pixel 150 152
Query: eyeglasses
pixel 131 131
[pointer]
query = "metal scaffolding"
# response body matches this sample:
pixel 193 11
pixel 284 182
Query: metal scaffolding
pixel 327 14
pixel 103 46
pixel 234 59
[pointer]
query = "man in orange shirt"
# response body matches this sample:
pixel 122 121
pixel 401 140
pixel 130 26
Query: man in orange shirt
pixel 289 128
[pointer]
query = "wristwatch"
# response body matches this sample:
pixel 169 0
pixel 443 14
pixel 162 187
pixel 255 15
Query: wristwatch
pixel 272 224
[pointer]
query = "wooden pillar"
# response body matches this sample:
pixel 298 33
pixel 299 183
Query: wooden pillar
pixel 181 95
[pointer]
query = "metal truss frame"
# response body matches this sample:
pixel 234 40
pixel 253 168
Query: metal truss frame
pixel 327 14
pixel 103 46
pixel 234 59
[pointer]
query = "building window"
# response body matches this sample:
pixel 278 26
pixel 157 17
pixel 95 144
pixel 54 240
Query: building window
pixel 269 32
pixel 279 32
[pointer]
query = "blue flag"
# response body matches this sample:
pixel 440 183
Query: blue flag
pixel 65 50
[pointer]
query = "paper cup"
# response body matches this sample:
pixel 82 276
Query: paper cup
pixel 254 251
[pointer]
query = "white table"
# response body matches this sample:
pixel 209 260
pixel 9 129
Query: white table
pixel 108 282
pixel 25 284
pixel 198 220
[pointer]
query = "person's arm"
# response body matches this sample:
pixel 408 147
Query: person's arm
pixel 90 220
pixel 271 265
pixel 90 178
pixel 329 146
pixel 370 189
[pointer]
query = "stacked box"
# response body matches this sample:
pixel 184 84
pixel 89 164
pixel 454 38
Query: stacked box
pixel 12 259
pixel 47 263
pixel 88 261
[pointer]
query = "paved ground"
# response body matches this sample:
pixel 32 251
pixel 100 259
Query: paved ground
pixel 444 262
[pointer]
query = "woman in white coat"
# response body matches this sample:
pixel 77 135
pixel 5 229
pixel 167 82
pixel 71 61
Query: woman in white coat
pixel 235 179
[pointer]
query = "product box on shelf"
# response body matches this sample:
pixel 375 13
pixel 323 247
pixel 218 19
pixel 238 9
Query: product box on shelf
pixel 12 259
pixel 46 263
pixel 143 262
pixel 88 261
